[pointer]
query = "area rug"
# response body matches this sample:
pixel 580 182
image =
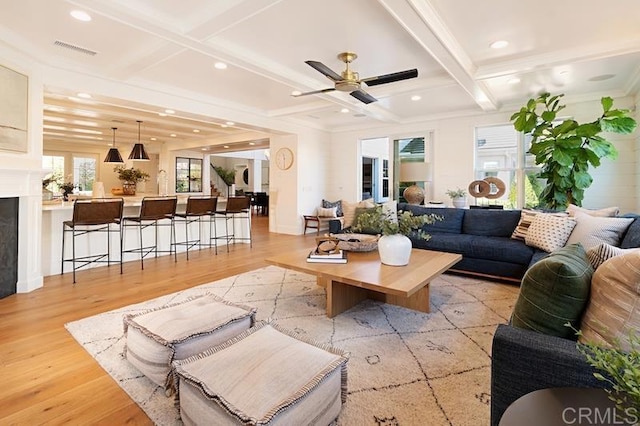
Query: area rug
pixel 405 368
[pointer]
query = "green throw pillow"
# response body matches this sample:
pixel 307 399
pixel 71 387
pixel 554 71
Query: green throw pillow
pixel 368 220
pixel 554 291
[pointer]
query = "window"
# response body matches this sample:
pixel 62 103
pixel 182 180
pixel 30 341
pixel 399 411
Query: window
pixel 84 173
pixel 55 165
pixel 502 152
pixel 188 174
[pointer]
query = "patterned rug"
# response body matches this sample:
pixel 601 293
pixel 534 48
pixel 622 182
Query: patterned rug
pixel 405 368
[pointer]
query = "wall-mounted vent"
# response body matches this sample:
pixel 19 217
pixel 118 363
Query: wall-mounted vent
pixel 75 48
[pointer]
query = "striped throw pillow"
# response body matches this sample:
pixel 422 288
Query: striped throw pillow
pixel 603 252
pixel 590 231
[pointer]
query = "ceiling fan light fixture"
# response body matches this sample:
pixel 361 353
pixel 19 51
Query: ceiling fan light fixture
pixel 113 156
pixel 138 153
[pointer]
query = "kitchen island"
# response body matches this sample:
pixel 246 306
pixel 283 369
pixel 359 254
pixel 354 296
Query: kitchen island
pixel 54 213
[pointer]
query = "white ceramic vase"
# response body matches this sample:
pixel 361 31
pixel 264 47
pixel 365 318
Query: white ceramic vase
pixel 394 250
pixel 459 202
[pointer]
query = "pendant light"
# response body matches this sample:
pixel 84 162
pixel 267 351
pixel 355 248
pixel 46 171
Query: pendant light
pixel 138 152
pixel 113 156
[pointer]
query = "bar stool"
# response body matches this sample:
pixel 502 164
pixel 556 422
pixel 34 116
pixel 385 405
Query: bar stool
pixel 154 212
pixel 197 208
pixel 237 208
pixel 89 216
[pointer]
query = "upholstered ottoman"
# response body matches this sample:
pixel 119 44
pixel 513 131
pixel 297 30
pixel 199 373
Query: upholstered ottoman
pixel 265 376
pixel 157 337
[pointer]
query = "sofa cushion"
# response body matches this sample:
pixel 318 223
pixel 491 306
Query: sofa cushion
pixel 491 248
pixel 632 236
pixel 495 223
pixel 591 230
pixel 366 220
pixel 451 218
pixel 554 291
pixel 614 307
pixel 526 217
pixel 548 232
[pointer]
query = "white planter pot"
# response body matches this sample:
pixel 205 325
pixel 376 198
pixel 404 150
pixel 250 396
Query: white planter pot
pixel 460 202
pixel 394 250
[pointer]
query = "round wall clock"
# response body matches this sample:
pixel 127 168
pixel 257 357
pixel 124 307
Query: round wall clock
pixel 284 158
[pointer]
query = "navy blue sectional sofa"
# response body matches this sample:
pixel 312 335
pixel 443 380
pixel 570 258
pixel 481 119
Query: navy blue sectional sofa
pixel 482 237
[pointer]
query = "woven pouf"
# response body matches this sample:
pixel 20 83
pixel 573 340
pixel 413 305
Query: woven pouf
pixel 157 337
pixel 265 376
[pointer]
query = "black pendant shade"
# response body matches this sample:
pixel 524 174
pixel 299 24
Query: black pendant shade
pixel 113 156
pixel 138 152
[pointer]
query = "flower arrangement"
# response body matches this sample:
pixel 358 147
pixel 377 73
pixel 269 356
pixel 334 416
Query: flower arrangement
pixel 378 221
pixel 51 178
pixel 131 175
pixel 456 193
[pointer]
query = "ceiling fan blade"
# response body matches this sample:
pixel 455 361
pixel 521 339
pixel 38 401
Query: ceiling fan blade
pixel 363 96
pixel 390 78
pixel 322 68
pixel 331 89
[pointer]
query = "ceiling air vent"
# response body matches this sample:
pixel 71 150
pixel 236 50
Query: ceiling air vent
pixel 75 48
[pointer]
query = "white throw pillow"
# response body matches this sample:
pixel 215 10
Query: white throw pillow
pixel 549 232
pixel 591 231
pixel 526 217
pixel 606 212
pixel 327 212
pixel 603 252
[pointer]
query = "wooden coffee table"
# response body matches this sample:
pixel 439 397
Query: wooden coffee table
pixel 365 277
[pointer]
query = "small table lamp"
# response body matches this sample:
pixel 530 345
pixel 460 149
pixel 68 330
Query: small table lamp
pixel 414 172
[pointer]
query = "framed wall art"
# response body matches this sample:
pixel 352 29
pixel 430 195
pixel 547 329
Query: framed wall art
pixel 14 92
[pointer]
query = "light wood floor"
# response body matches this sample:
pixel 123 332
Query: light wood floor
pixel 47 377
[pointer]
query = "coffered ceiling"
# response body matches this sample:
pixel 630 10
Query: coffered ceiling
pixel 583 48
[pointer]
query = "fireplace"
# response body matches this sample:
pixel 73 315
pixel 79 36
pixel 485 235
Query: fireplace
pixel 8 246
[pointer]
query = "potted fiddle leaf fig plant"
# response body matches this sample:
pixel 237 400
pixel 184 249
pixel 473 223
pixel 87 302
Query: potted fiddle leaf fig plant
pixel 567 149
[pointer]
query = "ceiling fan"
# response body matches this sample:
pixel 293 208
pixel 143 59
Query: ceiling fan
pixel 349 81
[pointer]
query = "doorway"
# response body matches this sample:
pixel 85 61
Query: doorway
pixel 369 178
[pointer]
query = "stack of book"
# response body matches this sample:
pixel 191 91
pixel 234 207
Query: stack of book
pixel 335 256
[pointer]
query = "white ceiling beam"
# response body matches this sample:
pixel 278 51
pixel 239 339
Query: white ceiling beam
pixel 422 22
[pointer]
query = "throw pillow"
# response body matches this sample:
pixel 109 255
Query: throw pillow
pixel 390 209
pixel 603 252
pixel 554 291
pixel 549 232
pixel 606 212
pixel 349 210
pixel 526 217
pixel 337 204
pixel 614 308
pixel 329 212
pixel 592 230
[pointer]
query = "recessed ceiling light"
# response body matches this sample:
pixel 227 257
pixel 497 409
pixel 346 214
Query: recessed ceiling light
pixel 230 123
pixel 226 146
pixel 84 95
pixel 416 97
pixel 252 143
pixel 223 125
pixel 153 139
pixel 344 110
pixel 169 111
pixel 173 135
pixel 602 77
pixel 513 80
pixel 196 131
pixel 500 44
pixel 162 114
pixel 80 15
pixel 296 93
pixel 564 72
pixel 220 65
pixel 205 149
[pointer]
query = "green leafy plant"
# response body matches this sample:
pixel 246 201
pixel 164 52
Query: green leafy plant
pixel 456 193
pixel 567 149
pixel 377 220
pixel 131 175
pixel 619 368
pixel 53 177
pixel 228 176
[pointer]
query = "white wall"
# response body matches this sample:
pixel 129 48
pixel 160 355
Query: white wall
pixel 616 182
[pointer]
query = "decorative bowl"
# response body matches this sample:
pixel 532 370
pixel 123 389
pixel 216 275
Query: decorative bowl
pixel 357 242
